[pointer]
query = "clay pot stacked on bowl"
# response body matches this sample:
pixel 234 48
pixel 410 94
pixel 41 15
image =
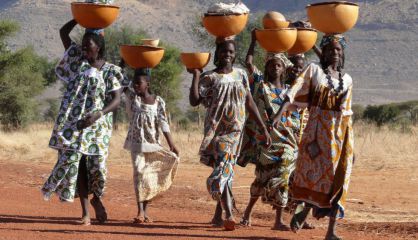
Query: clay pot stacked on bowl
pixel 333 17
pixel 219 25
pixel 276 35
pixel 147 55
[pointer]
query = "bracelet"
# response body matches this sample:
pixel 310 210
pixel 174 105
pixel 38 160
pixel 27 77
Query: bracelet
pixel 101 113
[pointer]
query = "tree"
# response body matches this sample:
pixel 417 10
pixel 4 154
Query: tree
pixel 381 114
pixel 22 77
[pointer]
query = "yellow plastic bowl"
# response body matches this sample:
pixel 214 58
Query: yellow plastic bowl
pixel 195 60
pixel 274 20
pixel 305 40
pixel 333 17
pixel 225 25
pixel 141 56
pixel 150 42
pixel 91 15
pixel 276 40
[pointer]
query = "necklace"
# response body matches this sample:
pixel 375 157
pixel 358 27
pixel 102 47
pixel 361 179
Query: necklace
pixel 339 89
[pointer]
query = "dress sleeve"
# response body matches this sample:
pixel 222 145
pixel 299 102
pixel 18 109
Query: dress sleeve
pixel 69 66
pixel 255 80
pixel 114 79
pixel 206 88
pixel 162 116
pixel 298 93
pixel 245 80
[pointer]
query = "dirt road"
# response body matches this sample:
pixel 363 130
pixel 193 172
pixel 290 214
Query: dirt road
pixel 181 213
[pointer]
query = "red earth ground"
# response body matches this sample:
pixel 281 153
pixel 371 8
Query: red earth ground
pixel 184 211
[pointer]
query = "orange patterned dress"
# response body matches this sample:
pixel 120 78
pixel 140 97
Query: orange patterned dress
pixel 325 159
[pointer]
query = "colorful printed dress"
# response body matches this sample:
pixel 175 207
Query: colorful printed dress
pixel 88 90
pixel 224 96
pixel 154 167
pixel 325 156
pixel 274 164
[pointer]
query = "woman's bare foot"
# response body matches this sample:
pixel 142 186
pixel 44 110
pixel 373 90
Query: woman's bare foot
pixel 85 221
pixel 245 222
pixel 307 225
pixel 280 227
pixel 217 222
pixel 147 219
pixel 100 210
pixel 332 236
pixel 229 224
pixel 138 220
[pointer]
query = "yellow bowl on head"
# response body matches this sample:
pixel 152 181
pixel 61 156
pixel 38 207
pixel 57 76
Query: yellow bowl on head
pixel 141 56
pixel 195 60
pixel 305 40
pixel 333 17
pixel 224 25
pixel 151 42
pixel 274 20
pixel 276 40
pixel 91 15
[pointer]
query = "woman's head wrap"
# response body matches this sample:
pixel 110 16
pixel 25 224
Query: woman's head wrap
pixel 279 56
pixel 327 39
pixel 143 72
pixel 99 31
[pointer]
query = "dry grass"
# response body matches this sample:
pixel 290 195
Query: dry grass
pixel 375 148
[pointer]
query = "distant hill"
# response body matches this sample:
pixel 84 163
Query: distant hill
pixel 381 56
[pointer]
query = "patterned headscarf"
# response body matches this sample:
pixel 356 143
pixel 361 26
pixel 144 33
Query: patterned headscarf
pixel 279 56
pixel 99 31
pixel 327 39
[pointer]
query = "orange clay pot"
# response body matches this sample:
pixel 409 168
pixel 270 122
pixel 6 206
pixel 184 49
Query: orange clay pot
pixel 224 25
pixel 90 15
pixel 276 40
pixel 333 17
pixel 141 56
pixel 305 40
pixel 195 60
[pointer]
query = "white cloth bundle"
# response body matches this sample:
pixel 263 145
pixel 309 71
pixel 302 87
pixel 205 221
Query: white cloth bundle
pixel 231 8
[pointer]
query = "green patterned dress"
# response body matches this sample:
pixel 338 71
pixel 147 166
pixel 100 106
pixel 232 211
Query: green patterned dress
pixel 88 90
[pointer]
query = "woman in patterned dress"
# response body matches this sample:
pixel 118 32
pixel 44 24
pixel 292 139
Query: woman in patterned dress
pixel 325 156
pixel 154 167
pixel 225 93
pixel 274 164
pixel 83 127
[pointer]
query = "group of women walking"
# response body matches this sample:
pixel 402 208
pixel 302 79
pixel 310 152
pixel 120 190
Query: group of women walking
pixel 252 116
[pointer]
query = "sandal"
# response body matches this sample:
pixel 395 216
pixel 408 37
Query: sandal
pixel 100 210
pixel 147 220
pixel 229 225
